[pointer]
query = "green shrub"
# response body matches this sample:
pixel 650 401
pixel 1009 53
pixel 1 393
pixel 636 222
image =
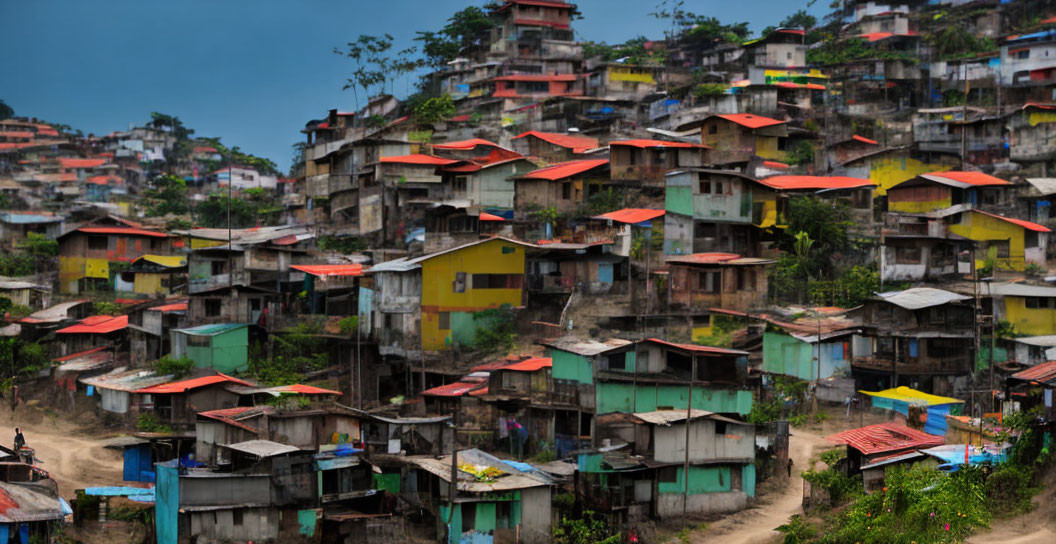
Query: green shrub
pixel 585 530
pixel 348 324
pixel 1010 488
pixel 148 423
pixel 839 486
pixel 796 531
pixel 178 367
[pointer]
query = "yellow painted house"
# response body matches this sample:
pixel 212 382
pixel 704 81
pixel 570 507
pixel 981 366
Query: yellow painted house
pixel 890 167
pixel 459 282
pixel 1012 244
pixel 1031 309
pixel 934 191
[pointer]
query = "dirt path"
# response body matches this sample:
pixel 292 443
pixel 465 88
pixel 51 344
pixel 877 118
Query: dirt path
pixel 73 459
pixel 758 523
pixel 1037 527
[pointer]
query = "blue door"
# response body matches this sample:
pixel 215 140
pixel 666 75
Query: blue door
pixel 605 273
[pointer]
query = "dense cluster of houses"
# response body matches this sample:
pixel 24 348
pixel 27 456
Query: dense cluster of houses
pixel 527 294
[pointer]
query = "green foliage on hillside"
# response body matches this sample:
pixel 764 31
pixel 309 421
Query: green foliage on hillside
pixel 834 52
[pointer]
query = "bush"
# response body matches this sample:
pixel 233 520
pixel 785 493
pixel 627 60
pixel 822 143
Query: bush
pixel 148 423
pixel 178 367
pixel 839 486
pixel 585 530
pixel 495 329
pixel 348 324
pixel 1009 489
pixel 796 531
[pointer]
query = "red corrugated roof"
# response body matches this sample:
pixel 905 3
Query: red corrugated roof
pixel 750 121
pixel 484 216
pixel 971 178
pixel 1025 224
pixel 775 164
pixel 105 180
pixel 456 389
pixel 705 258
pixel 538 77
pixel 565 169
pixel 791 85
pixel 418 158
pixel 97 324
pixel 885 437
pixel 80 354
pixel 187 385
pixel 864 140
pixel 327 270
pixel 81 163
pixel 227 415
pixel 631 216
pixel 18 134
pixel 465 145
pixel 646 144
pixel 174 307
pixel 696 348
pixel 1043 373
pixel 301 389
pixel 578 144
pixel 123 230
pixel 815 182
pixel 530 365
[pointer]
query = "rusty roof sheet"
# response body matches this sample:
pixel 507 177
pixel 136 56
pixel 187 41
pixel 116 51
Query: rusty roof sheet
pixel 187 385
pixel 565 169
pixel 696 348
pixel 1043 373
pixel 885 437
pixel 123 379
pixel 748 120
pixel 19 504
pixel 578 144
pixel 97 324
pixel 261 448
pixel 631 216
pixel 921 297
pixel 667 417
pixel 511 477
pixel 586 348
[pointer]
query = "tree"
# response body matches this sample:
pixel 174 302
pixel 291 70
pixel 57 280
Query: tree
pixel 799 19
pixel 213 213
pixel 297 164
pixel 825 223
pixel 235 156
pixel 462 30
pixel 435 110
pixel 6 112
pixel 373 67
pixel 167 196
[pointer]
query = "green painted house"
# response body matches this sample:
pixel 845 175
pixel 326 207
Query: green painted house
pixel 222 346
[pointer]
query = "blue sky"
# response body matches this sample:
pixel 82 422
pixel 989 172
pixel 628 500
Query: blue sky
pixel 250 71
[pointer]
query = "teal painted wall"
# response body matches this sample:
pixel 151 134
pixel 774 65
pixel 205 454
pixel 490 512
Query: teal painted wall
pixel 453 536
pixel 571 367
pixel 485 517
pixel 679 200
pixel 167 503
pixel 619 397
pixel 701 480
pixel 748 479
pixel 785 354
pixel 229 352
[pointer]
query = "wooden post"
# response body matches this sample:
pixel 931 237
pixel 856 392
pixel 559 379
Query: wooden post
pixel 685 467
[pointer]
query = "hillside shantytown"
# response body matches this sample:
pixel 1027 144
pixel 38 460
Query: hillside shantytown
pixel 707 286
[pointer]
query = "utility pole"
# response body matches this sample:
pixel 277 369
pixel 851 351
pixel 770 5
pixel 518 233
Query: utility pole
pixel 453 488
pixel 964 119
pixel 975 328
pixel 685 467
pixel 993 341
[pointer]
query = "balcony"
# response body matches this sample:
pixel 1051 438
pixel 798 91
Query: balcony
pixel 216 281
pixel 545 283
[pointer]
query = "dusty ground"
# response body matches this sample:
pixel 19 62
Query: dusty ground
pixel 1037 527
pixel 70 451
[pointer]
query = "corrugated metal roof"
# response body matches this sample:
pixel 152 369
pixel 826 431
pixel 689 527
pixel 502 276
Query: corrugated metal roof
pixel 511 477
pixel 921 297
pixel 122 379
pixel 565 169
pixel 168 261
pixel 1043 373
pixel 211 330
pixel 530 365
pixel 819 183
pixel 650 144
pixel 261 448
pixel 1040 341
pixel 667 417
pixel 465 145
pixel 456 389
pixel 29 218
pixel 417 159
pixel 97 324
pixel 1018 290
pixel 578 144
pixel 403 264
pixel 1045 186
pixel 751 121
pixel 125 231
pixel 912 396
pixel 19 504
pixel 187 385
pixel 586 348
pixel 885 437
pixel 963 180
pixel 1022 223
pixel 173 307
pixel 329 270
pixel 695 348
pixel 631 216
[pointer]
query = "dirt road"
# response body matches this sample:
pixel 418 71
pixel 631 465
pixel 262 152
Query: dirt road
pixel 758 523
pixel 1036 527
pixel 74 460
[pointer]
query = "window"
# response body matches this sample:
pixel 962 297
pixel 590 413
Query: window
pixel 198 341
pixel 1038 303
pixel 1031 239
pixel 498 281
pixel 460 184
pixel 218 267
pixel 1024 54
pixel 1002 249
pixel 942 348
pixel 444 321
pixel 907 255
pixel 460 282
pixel 718 188
pixel 788 55
pixel 96 243
pixel 745 279
pixel 937 316
pixel 212 307
pixel 566 191
pixel 709 282
pixel 469 516
pixel 617 361
pixel 713 129
pixel 705 187
pixel 720 427
pixel 667 475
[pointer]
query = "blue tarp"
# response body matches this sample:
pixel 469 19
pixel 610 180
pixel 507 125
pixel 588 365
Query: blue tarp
pixel 118 491
pixel 951 456
pixel 936 422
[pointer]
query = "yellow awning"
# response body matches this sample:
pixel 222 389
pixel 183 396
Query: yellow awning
pixel 168 261
pixel 912 396
pixel 769 219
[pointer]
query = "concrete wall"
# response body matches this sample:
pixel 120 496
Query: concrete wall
pixel 738 442
pixel 535 515
pixel 256 524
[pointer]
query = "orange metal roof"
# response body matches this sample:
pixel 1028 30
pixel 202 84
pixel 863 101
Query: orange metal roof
pixel 530 365
pixel 80 354
pixel 418 158
pixel 885 437
pixel 489 217
pixel 174 307
pixel 1025 224
pixel 775 164
pixel 81 163
pixel 227 415
pixel 187 385
pixel 302 389
pixel 123 230
pixel 864 140
pixel 696 348
pixel 631 215
pixel 456 389
pixel 578 144
pixel 565 169
pixel 751 121
pixel 97 324
pixel 1043 373
pixel 327 270
pixel 105 180
pixel 646 144
pixel 815 182
pixel 971 178
pixel 464 145
pixel 791 85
